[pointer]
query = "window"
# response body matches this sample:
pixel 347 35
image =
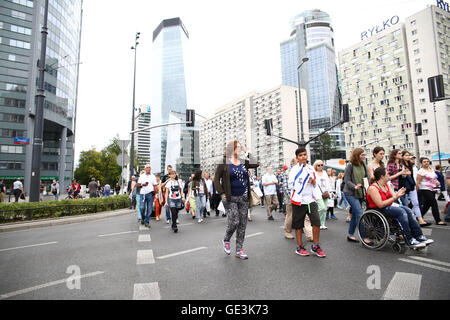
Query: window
pixel 416 51
pixel 419 80
pixel 415 41
pixel 422 101
pixel 11 165
pixel 419 70
pixel 12 149
pixel 414 32
pixel 421 90
pixel 11 57
pixel 26 3
pixel 422 111
pixel 19 44
pixel 417 61
pixel 413 22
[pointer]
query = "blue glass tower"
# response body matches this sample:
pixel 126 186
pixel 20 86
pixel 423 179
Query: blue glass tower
pixel 171 145
pixel 312 37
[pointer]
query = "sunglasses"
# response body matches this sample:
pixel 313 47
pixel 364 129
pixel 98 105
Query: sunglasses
pixel 320 165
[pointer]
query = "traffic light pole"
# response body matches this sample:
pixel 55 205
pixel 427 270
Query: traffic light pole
pixel 36 159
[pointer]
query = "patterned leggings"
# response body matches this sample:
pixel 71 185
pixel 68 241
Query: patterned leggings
pixel 237 213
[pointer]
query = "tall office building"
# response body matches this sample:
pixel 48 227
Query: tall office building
pixel 169 99
pixel 312 37
pixel 384 81
pixel 142 139
pixel 243 120
pixel 20 34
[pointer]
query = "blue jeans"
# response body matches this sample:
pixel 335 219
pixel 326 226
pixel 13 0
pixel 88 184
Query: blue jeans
pixel 168 212
pixel 56 197
pixel 138 205
pixel 343 199
pixel 200 202
pixel 406 219
pixel 146 206
pixel 356 205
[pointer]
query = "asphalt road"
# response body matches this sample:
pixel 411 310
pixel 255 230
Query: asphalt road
pixel 118 260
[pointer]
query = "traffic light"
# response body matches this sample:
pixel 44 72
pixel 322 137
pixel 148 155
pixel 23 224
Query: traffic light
pixel 190 118
pixel 418 129
pixel 345 113
pixel 436 88
pixel 268 125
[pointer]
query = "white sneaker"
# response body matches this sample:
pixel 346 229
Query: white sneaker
pixel 416 244
pixel 200 220
pixel 167 221
pixel 424 240
pixel 323 228
pixel 178 221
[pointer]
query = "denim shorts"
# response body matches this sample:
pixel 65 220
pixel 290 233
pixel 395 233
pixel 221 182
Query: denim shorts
pixel 175 203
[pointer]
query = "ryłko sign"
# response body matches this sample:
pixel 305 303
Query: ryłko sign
pixel 443 5
pixel 378 28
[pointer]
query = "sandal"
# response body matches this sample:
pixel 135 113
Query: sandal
pixel 425 224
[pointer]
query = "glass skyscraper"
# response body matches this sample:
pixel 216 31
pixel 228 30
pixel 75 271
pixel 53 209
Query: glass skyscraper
pixel 312 37
pixel 174 144
pixel 20 36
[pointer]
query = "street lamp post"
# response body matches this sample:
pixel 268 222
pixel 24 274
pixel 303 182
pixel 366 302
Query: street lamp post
pixel 134 108
pixel 302 136
pixel 36 159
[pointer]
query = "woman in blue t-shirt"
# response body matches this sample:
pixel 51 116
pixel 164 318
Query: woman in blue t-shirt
pixel 233 184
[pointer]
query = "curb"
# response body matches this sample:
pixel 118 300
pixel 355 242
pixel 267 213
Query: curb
pixel 61 221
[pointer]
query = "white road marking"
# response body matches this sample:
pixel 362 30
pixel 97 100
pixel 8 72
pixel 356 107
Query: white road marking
pixel 427 232
pixel 145 257
pixel 116 234
pixel 254 234
pixel 49 284
pixel 431 261
pixel 146 291
pixel 180 253
pixel 30 246
pixel 439 227
pixel 144 238
pixel 179 225
pixel 425 265
pixel 403 286
pixel 142 228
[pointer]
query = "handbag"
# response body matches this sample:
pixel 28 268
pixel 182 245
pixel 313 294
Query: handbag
pixel 255 200
pixel 325 195
pixel 22 196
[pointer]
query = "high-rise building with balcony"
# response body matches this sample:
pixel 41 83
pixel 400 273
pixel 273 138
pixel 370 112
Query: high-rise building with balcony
pixel 20 37
pixel 243 120
pixel 384 81
pixel 142 140
pixel 169 101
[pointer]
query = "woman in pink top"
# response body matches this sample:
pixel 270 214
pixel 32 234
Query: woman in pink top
pixel 425 184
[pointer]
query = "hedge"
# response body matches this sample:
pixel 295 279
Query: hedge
pixel 21 211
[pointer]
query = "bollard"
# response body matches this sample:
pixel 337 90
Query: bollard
pixel 30 214
pixel 95 208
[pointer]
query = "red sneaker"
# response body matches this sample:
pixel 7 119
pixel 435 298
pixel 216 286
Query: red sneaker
pixel 319 252
pixel 301 251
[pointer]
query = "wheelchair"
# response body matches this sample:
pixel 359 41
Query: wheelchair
pixel 381 229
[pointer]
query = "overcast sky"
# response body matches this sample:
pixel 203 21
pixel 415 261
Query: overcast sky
pixel 234 48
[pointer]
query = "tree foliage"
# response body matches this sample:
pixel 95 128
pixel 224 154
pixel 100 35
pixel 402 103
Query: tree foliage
pixel 324 148
pixel 100 165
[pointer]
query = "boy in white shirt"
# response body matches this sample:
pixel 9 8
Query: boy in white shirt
pixel 302 182
pixel 147 183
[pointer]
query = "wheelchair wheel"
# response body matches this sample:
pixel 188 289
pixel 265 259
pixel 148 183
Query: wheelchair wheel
pixel 376 228
pixel 398 248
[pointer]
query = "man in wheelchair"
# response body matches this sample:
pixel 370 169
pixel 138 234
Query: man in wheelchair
pixel 379 196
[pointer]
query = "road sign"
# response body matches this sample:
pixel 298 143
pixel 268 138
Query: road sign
pixel 20 140
pixel 122 159
pixel 123 144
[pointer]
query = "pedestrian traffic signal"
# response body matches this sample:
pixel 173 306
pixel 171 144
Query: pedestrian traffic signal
pixel 190 118
pixel 436 88
pixel 268 125
pixel 345 113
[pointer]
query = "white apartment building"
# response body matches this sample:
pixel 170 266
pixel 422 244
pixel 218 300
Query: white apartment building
pixel 384 82
pixel 243 120
pixel 428 35
pixel 142 138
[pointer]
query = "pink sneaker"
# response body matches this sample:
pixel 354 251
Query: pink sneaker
pixel 319 252
pixel 301 251
pixel 241 254
pixel 226 247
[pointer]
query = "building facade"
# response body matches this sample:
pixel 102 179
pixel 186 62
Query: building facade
pixel 384 81
pixel 20 34
pixel 142 138
pixel 243 120
pixel 312 37
pixel 169 100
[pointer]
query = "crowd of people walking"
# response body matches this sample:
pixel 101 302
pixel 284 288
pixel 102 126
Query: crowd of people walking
pixel 305 194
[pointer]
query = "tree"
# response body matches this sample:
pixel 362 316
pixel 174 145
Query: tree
pixel 100 165
pixel 324 148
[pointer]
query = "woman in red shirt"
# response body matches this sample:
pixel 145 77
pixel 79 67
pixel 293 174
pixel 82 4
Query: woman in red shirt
pixel 381 197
